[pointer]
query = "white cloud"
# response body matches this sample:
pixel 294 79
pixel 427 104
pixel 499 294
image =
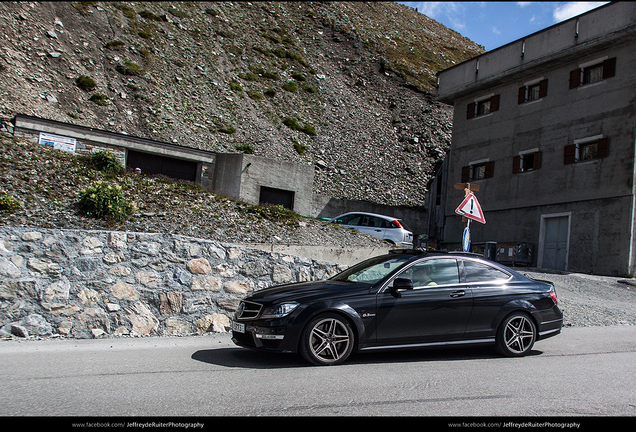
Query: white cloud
pixel 495 31
pixel 572 9
pixel 523 4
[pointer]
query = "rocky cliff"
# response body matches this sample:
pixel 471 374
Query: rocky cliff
pixel 344 86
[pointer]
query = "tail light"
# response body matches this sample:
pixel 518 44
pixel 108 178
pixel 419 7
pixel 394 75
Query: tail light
pixel 397 224
pixel 553 296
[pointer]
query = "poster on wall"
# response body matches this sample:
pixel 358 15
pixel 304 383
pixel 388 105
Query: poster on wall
pixel 58 142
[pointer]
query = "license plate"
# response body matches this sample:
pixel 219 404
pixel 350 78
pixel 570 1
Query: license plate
pixel 238 327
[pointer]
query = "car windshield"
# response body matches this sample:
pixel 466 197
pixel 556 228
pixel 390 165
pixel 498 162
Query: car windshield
pixel 372 270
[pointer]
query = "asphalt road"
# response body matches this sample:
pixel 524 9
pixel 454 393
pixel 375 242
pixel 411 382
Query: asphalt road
pixel 585 371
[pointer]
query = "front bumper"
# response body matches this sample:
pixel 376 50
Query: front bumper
pixel 263 336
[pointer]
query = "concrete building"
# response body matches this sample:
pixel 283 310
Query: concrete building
pixel 253 179
pixel 546 127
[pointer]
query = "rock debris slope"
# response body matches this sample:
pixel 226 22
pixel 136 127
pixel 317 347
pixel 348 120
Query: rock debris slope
pixel 343 86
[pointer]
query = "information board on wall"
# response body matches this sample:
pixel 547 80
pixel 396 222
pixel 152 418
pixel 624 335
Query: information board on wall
pixel 58 142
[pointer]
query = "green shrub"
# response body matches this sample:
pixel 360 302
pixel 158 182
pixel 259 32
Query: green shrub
pixel 107 162
pixel 299 147
pixel 290 86
pixel 8 203
pixel 298 76
pixel 149 15
pixel 276 213
pixel 104 201
pixel 293 124
pixel 235 87
pixel 114 44
pixel 249 76
pixel 86 83
pixel 270 92
pixel 228 130
pixel 130 68
pixel 99 99
pixel 255 95
pixel 246 148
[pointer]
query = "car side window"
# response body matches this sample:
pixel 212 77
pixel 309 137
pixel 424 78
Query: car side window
pixel 375 222
pixel 432 272
pixel 478 272
pixel 353 219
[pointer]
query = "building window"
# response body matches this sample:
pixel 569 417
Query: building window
pixel 526 161
pixel 594 72
pixel 585 150
pixel 533 91
pixel 482 106
pixel 477 171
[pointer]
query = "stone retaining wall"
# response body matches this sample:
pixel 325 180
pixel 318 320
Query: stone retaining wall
pixel 88 284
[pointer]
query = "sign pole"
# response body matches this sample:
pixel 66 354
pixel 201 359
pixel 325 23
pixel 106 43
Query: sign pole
pixel 466 236
pixel 469 209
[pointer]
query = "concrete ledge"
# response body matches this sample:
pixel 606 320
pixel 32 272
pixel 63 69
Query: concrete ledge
pixel 332 254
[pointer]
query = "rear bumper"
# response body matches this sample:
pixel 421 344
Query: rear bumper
pixel 551 324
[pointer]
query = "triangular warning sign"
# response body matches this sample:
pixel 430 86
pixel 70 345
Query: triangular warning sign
pixel 471 209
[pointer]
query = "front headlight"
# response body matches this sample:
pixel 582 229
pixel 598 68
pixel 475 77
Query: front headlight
pixel 280 310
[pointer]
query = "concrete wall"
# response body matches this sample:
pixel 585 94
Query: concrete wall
pixel 326 207
pixel 259 171
pixel 560 42
pixel 89 284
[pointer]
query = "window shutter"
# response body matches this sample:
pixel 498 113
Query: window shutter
pixel 494 103
pixel 490 168
pixel 465 174
pixel 603 147
pixel 537 161
pixel 575 78
pixel 569 154
pixel 470 110
pixel 521 98
pixel 609 68
pixel 543 88
pixel 516 161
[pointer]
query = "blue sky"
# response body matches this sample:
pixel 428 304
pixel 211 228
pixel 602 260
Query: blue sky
pixel 493 24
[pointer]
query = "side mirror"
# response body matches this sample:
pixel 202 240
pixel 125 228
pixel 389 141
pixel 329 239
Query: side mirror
pixel 401 284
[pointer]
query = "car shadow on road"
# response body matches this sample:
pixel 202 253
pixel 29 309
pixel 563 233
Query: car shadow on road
pixel 249 359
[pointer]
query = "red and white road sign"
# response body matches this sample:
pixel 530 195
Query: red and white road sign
pixel 471 209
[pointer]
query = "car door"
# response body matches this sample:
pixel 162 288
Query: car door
pixel 491 291
pixel 371 225
pixel 436 309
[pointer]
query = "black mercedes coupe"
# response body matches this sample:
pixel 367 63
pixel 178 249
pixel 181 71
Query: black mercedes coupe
pixel 404 299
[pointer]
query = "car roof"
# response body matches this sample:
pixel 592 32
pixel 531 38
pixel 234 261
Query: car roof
pixel 433 253
pixel 369 214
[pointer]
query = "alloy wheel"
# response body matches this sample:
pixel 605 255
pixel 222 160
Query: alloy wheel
pixel 328 341
pixel 519 334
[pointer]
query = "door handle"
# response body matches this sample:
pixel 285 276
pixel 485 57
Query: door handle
pixel 456 294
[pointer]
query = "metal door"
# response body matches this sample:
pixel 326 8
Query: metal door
pixel 555 244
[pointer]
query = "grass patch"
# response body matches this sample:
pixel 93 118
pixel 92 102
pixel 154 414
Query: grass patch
pixel 130 68
pixel 246 148
pixel 86 83
pixel 99 99
pixel 293 124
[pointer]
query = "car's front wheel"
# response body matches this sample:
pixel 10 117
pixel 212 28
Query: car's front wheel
pixel 327 340
pixel 516 335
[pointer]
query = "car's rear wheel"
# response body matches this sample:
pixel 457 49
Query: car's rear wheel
pixel 516 335
pixel 327 340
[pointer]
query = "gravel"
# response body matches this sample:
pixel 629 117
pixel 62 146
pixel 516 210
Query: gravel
pixel 589 300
